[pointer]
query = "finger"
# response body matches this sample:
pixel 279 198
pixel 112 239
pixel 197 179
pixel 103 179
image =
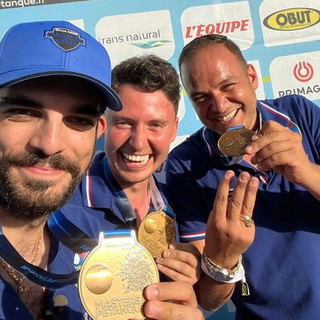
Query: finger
pixel 219 211
pixel 179 273
pixel 183 252
pixel 180 265
pixel 270 132
pixel 235 203
pixel 178 291
pixel 171 311
pixel 250 197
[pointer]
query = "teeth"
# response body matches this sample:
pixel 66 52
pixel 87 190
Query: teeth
pixel 228 116
pixel 136 158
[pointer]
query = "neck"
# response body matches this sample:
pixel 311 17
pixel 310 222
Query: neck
pixel 24 234
pixel 139 198
pixel 32 241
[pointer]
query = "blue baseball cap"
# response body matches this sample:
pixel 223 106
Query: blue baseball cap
pixel 54 48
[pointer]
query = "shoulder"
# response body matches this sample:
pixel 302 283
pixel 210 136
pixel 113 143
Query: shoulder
pixel 299 109
pixel 293 103
pixel 191 146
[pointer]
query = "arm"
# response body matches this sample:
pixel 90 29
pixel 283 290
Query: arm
pixel 277 148
pixel 227 236
pixel 171 301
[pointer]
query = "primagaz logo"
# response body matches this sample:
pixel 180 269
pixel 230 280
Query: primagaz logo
pixel 292 19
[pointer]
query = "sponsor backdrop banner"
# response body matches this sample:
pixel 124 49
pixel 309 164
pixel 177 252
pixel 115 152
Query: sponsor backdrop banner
pixel 280 38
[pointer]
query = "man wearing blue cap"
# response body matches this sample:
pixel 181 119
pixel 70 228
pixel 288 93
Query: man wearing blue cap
pixel 54 88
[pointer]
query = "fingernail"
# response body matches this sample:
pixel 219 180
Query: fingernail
pixel 255 137
pixel 248 149
pixel 254 181
pixel 151 292
pixel 159 260
pixel 153 310
pixel 229 174
pixel 166 253
pixel 244 177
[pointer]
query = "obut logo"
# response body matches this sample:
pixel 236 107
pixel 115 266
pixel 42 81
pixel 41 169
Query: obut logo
pixel 292 19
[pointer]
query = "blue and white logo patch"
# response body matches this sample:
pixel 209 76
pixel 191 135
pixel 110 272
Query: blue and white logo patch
pixel 65 39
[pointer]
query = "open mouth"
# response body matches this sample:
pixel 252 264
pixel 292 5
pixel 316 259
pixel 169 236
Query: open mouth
pixel 228 117
pixel 138 159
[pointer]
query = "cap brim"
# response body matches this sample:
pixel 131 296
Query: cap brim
pixel 111 98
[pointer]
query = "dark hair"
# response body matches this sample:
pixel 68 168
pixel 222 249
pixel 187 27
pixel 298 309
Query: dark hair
pixel 205 41
pixel 150 73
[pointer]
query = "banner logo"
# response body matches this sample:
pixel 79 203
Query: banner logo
pixel 303 71
pixel 292 19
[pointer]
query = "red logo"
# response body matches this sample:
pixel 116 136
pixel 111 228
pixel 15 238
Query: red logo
pixel 303 71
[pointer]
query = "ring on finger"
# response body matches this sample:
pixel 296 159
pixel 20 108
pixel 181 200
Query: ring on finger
pixel 248 221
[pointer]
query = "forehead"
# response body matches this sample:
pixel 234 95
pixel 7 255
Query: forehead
pixel 215 62
pixel 138 102
pixel 62 90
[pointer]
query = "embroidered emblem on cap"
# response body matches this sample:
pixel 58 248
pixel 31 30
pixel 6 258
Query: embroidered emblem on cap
pixel 65 39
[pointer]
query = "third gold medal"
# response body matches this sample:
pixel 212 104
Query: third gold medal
pixel 157 231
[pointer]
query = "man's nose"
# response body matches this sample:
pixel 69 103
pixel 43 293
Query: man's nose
pixel 138 137
pixel 49 137
pixel 219 102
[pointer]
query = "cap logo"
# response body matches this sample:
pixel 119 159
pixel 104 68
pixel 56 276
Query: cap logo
pixel 65 39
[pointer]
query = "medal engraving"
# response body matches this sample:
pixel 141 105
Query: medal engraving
pixel 112 279
pixel 233 142
pixel 156 232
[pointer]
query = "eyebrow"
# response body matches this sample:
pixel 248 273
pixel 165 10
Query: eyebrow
pixel 85 109
pixel 19 100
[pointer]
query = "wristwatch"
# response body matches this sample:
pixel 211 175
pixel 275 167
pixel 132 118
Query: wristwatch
pixel 221 274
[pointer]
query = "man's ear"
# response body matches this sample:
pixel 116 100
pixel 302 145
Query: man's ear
pixel 102 125
pixel 174 133
pixel 253 77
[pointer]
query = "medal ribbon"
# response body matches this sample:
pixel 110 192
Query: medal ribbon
pixel 33 273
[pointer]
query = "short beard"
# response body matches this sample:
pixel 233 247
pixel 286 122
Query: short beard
pixel 30 199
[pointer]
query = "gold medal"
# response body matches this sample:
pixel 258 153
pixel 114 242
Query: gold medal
pixel 113 276
pixel 233 142
pixel 157 231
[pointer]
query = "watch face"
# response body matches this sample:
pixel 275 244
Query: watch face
pixel 112 279
pixel 218 273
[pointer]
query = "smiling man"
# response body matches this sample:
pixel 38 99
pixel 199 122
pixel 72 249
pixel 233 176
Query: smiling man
pixel 119 190
pixel 279 249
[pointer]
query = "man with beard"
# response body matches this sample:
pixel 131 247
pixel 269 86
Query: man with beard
pixel 54 88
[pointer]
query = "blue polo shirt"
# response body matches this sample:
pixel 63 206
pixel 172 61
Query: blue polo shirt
pixel 282 265
pixel 61 261
pixel 93 207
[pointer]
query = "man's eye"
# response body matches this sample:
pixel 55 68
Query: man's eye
pixel 157 125
pixel 19 113
pixel 228 86
pixel 122 124
pixel 80 123
pixel 200 99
